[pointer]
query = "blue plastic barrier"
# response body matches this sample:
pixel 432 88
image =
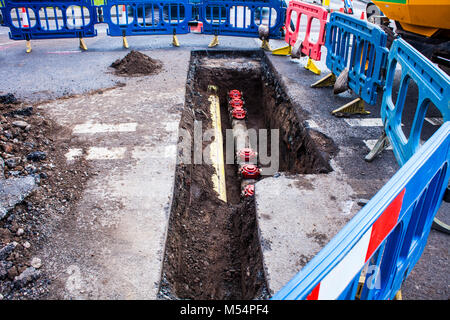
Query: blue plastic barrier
pixel 242 18
pixel 76 18
pixel 147 17
pixel 361 47
pixel 49 19
pixel 433 85
pixel 387 236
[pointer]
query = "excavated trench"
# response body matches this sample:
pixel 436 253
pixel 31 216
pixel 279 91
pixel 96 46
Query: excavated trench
pixel 212 248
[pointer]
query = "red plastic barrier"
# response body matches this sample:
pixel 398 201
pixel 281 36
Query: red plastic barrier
pixel 311 11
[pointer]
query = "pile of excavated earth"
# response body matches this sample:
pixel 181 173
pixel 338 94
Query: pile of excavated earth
pixel 136 64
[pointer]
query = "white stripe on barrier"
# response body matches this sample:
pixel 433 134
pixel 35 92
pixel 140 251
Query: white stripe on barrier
pixel 365 122
pixel 24 17
pixel 123 14
pixel 337 280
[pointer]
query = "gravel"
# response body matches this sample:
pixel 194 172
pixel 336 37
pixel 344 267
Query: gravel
pixel 36 184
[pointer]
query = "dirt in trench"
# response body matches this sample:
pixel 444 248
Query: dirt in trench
pixel 33 146
pixel 212 249
pixel 136 64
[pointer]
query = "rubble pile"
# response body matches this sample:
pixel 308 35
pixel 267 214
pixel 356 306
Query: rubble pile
pixel 36 183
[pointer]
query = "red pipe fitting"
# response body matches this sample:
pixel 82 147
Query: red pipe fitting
pixel 238 113
pixel 235 94
pixel 249 190
pixel 236 103
pixel 250 171
pixel 247 154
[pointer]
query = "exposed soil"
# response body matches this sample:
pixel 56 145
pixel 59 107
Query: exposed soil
pixel 302 150
pixel 212 249
pixel 26 132
pixel 136 64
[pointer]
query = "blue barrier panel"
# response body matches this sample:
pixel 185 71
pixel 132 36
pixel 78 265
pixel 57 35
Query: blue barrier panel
pixel 49 19
pixel 361 47
pixel 242 18
pixel 433 86
pixel 146 17
pixel 386 238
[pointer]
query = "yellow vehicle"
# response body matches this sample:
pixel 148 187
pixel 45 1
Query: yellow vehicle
pixel 423 17
pixel 425 24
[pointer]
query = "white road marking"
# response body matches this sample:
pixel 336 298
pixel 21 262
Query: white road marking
pixel 100 153
pixel 104 127
pixel 155 152
pixel 64 52
pixel 311 124
pixel 365 122
pixel 97 153
pixel 73 153
pixel 5 46
pixel 435 121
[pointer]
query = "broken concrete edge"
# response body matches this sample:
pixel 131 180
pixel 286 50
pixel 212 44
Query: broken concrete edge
pixel 164 290
pixel 14 190
pixel 162 283
pixel 28 275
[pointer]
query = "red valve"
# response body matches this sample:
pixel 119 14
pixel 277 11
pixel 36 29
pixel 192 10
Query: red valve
pixel 236 103
pixel 247 154
pixel 249 190
pixel 250 171
pixel 238 113
pixel 234 94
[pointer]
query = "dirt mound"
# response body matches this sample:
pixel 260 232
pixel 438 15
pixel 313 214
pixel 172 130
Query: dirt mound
pixel 136 64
